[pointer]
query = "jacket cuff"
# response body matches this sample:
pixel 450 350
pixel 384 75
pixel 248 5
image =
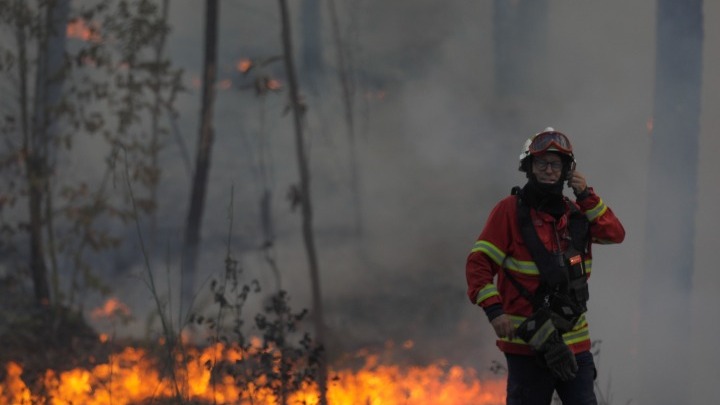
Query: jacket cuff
pixel 585 194
pixel 493 311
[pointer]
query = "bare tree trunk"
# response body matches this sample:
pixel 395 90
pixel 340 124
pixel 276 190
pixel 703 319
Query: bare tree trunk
pixel 347 94
pixel 202 162
pixel 520 66
pixel 158 108
pixel 34 170
pixel 312 53
pixel 672 204
pixel 520 36
pixel 305 202
pixel 50 82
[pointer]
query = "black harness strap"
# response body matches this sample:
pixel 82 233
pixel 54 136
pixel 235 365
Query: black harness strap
pixel 555 273
pixel 551 265
pixel 522 290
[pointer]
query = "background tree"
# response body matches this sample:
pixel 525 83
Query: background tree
pixel 202 160
pixel 672 201
pixel 90 93
pixel 520 36
pixel 520 64
pixel 312 64
pixel 343 68
pixel 313 69
pixel 302 197
pixel 161 107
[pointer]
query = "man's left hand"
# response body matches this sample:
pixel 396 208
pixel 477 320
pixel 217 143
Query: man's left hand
pixel 577 182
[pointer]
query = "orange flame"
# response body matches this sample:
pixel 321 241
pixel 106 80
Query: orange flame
pixel 244 65
pixel 81 30
pixel 273 84
pixel 112 308
pixel 132 377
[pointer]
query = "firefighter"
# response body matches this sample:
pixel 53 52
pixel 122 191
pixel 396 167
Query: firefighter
pixel 528 271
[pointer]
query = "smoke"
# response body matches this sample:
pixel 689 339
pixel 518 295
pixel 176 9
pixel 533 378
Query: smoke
pixel 435 156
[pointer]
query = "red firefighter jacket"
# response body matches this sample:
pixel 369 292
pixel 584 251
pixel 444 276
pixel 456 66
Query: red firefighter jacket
pixel 500 248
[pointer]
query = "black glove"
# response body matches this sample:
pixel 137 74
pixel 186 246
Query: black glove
pixel 559 358
pixel 540 333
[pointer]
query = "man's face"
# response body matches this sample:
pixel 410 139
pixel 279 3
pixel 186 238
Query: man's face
pixel 547 168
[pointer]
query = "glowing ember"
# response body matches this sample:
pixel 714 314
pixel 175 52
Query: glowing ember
pixel 244 65
pixel 223 84
pixel 112 308
pixel 272 84
pixel 80 30
pixel 132 377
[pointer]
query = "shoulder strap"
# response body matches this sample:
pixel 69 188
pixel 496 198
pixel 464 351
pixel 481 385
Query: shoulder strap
pixel 551 266
pixel 579 227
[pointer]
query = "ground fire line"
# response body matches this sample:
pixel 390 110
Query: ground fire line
pixel 133 377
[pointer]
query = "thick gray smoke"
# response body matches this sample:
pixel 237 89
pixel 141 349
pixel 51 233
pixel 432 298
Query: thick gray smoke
pixel 433 160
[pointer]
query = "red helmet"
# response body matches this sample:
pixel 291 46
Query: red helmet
pixel 549 140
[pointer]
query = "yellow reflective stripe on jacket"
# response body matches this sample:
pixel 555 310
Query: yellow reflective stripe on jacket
pixel 500 258
pixel 486 292
pixel 578 334
pixel 521 266
pixel 599 209
pixel 492 251
pixel 526 267
pixel 529 268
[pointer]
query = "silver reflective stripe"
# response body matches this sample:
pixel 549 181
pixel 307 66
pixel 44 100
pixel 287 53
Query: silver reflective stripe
pixel 486 292
pixel 599 209
pixel 579 333
pixel 542 334
pixel 521 266
pixel 490 250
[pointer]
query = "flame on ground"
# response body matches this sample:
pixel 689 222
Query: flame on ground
pixel 133 377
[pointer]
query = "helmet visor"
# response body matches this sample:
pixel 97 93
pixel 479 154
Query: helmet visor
pixel 551 140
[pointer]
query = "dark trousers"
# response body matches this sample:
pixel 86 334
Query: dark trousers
pixel 530 383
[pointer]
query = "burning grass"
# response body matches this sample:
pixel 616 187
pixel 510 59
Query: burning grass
pixel 201 376
pixel 51 358
pixel 54 358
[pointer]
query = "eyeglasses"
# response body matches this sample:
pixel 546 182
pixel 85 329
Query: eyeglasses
pixel 542 164
pixel 545 140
